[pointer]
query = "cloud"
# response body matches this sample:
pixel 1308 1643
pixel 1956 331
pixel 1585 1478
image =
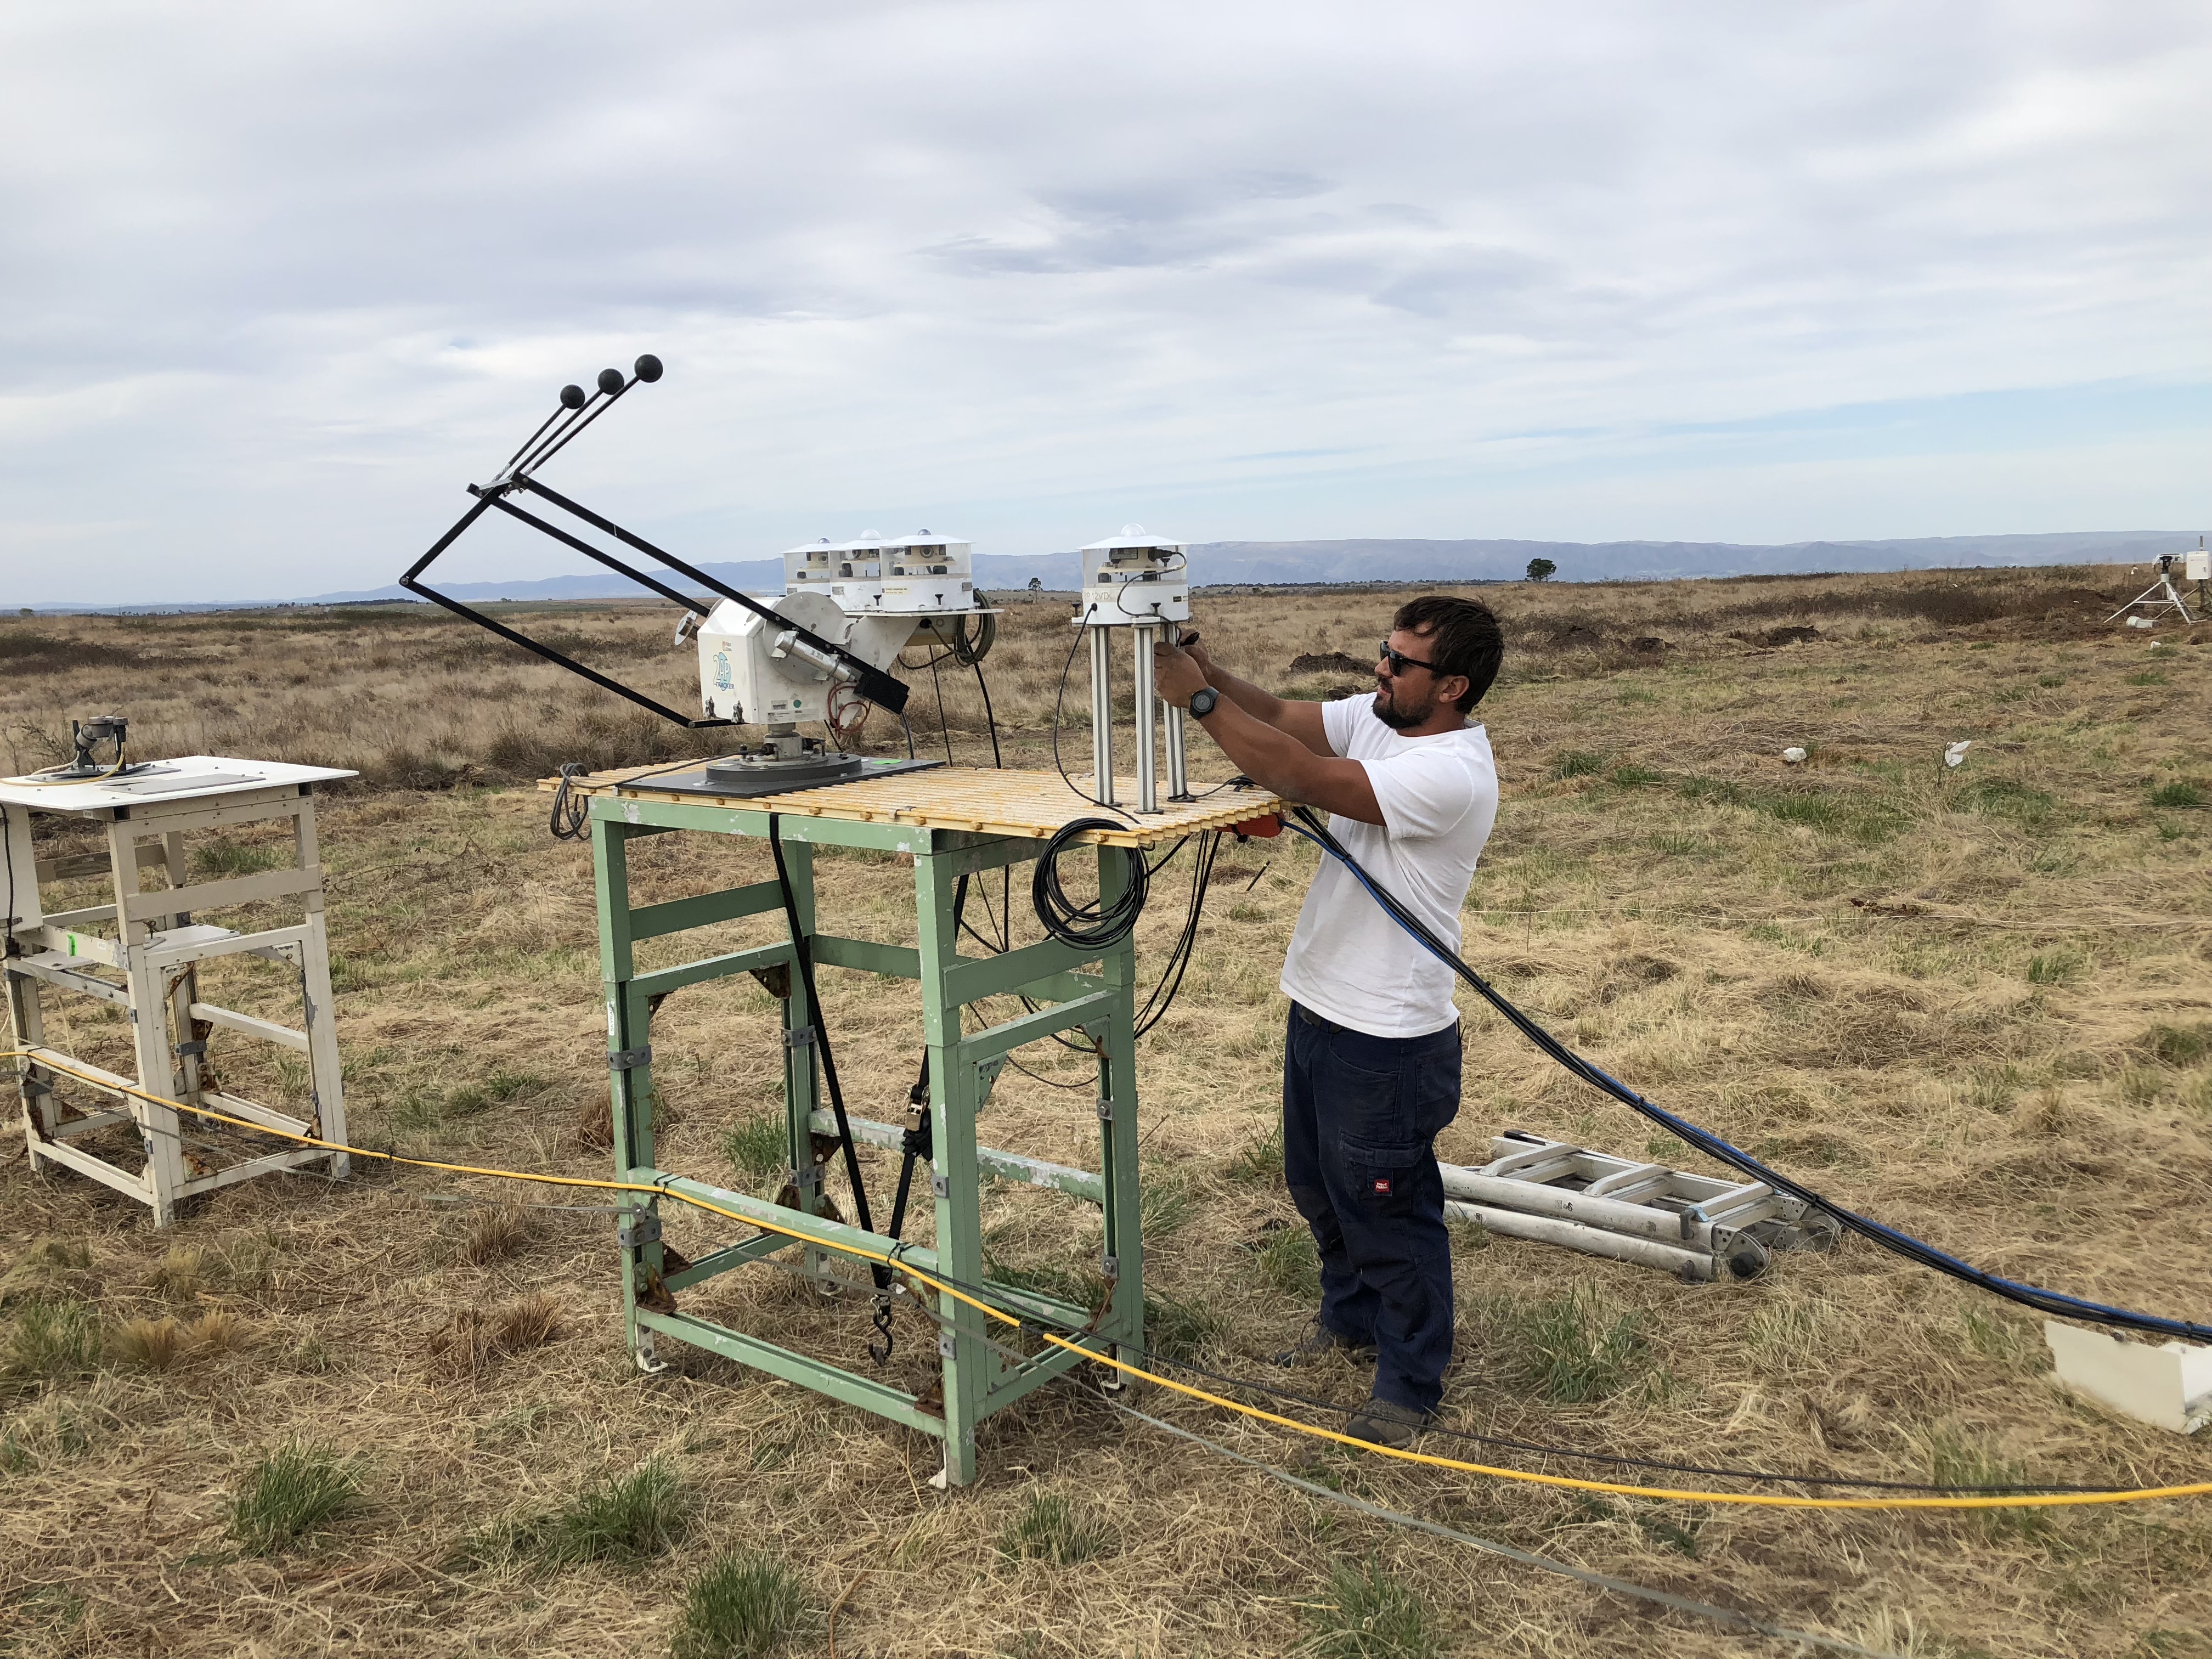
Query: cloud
pixel 278 280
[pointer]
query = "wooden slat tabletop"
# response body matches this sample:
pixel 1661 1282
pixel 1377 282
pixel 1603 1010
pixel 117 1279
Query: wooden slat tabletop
pixel 984 801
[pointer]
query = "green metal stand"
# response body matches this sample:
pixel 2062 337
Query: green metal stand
pixel 1100 1002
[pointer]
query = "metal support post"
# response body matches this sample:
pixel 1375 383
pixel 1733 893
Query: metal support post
pixel 1123 1244
pixel 629 1076
pixel 955 1091
pixel 1101 713
pixel 1148 718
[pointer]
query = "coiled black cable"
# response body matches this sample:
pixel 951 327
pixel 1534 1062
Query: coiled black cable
pixel 1098 924
pixel 571 811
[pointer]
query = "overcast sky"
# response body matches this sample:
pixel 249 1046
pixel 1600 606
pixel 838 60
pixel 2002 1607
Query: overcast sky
pixel 276 281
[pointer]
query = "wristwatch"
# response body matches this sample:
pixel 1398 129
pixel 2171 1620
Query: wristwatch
pixel 1202 701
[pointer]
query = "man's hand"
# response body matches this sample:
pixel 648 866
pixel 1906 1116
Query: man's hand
pixel 1177 675
pixel 1191 648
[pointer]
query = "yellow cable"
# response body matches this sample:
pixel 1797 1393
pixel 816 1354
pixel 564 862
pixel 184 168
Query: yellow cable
pixel 1757 1500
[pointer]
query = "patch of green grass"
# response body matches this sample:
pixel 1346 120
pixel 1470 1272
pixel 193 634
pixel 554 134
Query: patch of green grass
pixel 744 1605
pixel 1166 1203
pixel 623 1518
pixel 221 860
pixel 2178 1045
pixel 1955 1461
pixel 1994 1088
pixel 2054 966
pixel 295 1491
pixel 1261 1160
pixel 2003 798
pixel 2148 677
pixel 1569 1348
pixel 1676 845
pixel 2180 793
pixel 1576 763
pixel 1683 1541
pixel 1367 1614
pixel 1051 1527
pixel 1628 776
pixel 1290 1263
pixel 757 1146
pixel 2050 682
pixel 50 1340
pixel 1176 1328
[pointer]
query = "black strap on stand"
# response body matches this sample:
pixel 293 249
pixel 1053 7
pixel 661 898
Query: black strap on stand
pixel 803 949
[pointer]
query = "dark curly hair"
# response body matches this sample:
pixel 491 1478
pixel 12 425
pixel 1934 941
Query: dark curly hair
pixel 1464 639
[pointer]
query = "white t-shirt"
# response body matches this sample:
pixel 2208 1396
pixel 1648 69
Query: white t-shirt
pixel 1349 962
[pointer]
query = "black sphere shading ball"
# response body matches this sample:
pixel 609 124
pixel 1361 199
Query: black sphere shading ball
pixel 610 380
pixel 572 397
pixel 649 368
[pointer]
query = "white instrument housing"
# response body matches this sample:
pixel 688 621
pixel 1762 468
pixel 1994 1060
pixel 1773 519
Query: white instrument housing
pixel 920 574
pixel 1133 580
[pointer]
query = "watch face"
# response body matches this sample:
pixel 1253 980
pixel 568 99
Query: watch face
pixel 1202 701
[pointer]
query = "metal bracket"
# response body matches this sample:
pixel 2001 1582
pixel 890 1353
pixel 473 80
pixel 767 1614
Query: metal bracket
pixel 807 1179
pixel 628 1060
pixel 986 1077
pixel 190 1050
pixel 1109 1268
pixel 641 1229
pixel 944 1343
pixel 774 978
pixel 1105 1109
pixel 941 1185
pixel 800 1037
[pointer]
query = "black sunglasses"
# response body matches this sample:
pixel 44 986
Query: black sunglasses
pixel 1400 662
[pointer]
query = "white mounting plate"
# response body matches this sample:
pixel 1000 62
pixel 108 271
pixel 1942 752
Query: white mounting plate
pixel 191 777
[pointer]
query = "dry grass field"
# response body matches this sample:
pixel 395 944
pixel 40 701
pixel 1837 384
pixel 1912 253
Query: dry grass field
pixel 396 1418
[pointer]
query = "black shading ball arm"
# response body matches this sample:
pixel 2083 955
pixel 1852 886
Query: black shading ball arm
pixel 576 410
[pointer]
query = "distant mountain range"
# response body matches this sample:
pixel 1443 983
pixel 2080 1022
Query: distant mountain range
pixel 1236 564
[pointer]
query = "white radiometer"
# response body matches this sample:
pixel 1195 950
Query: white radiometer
pixel 1133 580
pixel 872 596
pixel 921 574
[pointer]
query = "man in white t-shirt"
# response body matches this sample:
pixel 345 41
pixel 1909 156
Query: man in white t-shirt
pixel 1372 1065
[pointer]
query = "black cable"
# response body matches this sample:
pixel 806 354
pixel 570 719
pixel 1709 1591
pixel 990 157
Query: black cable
pixel 8 854
pixel 990 718
pixel 571 811
pixel 1172 975
pixel 944 725
pixel 802 949
pixel 1058 698
pixel 2053 1302
pixel 1098 925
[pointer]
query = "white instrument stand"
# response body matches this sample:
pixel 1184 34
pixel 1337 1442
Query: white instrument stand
pixel 141 952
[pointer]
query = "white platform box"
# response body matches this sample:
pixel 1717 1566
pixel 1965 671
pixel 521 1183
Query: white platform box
pixel 2169 1386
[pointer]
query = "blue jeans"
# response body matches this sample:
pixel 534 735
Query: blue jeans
pixel 1361 1117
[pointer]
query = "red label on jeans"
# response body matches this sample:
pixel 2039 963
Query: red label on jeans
pixel 1382 1186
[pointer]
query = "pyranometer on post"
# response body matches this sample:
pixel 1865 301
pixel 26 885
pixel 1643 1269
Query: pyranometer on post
pixel 1136 581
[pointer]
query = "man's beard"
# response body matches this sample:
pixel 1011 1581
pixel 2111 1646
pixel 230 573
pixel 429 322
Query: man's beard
pixel 1397 719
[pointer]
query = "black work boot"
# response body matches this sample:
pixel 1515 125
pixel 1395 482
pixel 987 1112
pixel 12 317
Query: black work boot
pixel 1318 1341
pixel 1387 1423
